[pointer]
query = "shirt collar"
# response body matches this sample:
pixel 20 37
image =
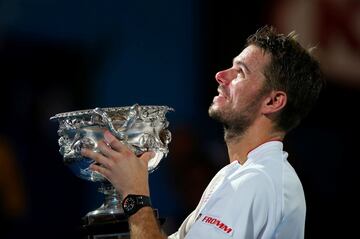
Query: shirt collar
pixel 265 148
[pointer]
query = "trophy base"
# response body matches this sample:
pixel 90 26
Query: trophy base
pixel 108 226
pixel 113 226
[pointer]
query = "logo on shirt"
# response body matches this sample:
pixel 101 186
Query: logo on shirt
pixel 217 224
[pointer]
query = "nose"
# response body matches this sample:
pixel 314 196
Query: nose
pixel 222 77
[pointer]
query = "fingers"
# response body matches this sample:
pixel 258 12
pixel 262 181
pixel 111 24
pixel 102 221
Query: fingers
pixel 105 149
pixel 103 171
pixel 99 158
pixel 147 156
pixel 114 142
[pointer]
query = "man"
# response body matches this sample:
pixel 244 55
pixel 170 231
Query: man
pixel 270 87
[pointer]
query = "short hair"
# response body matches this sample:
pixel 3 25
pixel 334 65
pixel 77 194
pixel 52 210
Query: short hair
pixel 293 70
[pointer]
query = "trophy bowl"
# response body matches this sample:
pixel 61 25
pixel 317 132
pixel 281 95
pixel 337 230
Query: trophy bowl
pixel 141 128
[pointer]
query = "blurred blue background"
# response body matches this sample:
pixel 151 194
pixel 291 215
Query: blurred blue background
pixel 59 56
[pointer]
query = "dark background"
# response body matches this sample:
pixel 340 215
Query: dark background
pixel 58 56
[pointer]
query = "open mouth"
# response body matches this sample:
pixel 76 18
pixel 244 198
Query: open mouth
pixel 220 98
pixel 222 94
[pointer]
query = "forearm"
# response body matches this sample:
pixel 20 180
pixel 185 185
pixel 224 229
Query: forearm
pixel 143 224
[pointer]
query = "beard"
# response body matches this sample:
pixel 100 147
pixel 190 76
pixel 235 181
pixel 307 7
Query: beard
pixel 236 122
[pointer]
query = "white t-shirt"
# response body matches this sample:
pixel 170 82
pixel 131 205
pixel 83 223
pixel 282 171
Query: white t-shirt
pixel 263 198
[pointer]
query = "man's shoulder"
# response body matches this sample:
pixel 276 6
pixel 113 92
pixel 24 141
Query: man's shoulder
pixel 251 180
pixel 251 173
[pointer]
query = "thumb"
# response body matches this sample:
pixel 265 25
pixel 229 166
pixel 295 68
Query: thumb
pixel 147 156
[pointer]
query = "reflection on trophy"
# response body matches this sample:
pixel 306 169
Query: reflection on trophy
pixel 141 128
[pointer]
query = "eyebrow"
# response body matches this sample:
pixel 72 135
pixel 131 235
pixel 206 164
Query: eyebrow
pixel 238 62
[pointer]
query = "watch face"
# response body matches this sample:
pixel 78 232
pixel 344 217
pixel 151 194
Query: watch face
pixel 132 203
pixel 129 204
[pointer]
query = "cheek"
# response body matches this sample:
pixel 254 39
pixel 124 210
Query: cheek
pixel 237 99
pixel 241 95
pixel 237 91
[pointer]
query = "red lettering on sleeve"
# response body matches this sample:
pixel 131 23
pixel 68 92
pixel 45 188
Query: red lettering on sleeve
pixel 217 224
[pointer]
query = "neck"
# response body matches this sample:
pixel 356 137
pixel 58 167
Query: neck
pixel 239 147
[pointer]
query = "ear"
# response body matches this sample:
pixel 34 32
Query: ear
pixel 274 102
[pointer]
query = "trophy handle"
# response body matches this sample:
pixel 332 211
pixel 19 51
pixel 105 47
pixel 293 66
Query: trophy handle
pixel 129 122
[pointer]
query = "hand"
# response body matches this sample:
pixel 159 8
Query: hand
pixel 127 172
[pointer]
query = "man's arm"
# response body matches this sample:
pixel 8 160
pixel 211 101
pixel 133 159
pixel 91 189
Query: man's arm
pixel 129 175
pixel 143 224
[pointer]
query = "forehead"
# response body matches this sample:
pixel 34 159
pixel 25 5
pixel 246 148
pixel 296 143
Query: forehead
pixel 253 57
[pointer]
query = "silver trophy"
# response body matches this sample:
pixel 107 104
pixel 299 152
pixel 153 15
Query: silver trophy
pixel 141 128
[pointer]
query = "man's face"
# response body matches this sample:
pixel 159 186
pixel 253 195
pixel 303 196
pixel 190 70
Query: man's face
pixel 240 91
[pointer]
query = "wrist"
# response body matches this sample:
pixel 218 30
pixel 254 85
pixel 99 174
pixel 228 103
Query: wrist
pixel 144 192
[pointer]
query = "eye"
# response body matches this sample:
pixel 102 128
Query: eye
pixel 239 77
pixel 240 73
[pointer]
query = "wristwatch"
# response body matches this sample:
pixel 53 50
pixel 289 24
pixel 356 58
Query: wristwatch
pixel 132 203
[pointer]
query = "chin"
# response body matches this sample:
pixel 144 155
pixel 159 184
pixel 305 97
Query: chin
pixel 213 107
pixel 215 111
pixel 218 104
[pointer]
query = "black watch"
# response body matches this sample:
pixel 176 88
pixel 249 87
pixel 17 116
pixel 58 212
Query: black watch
pixel 132 203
